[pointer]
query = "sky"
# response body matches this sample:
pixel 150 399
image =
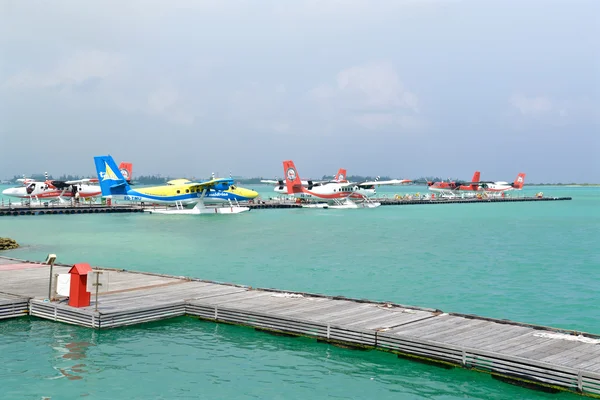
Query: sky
pixel 403 88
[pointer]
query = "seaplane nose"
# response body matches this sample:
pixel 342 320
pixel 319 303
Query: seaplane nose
pixel 9 192
pixel 251 194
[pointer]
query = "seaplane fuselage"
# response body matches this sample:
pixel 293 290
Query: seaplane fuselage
pixel 320 190
pixel 186 194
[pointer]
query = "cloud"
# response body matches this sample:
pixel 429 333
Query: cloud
pixel 262 107
pixel 72 71
pixel 556 110
pixel 99 79
pixel 354 9
pixel 371 95
pixel 536 105
pixel 167 102
pixel 375 85
pixel 374 121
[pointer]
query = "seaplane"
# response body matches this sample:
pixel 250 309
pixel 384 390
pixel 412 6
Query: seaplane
pixel 179 193
pixel 362 189
pixel 476 186
pixel 280 186
pixel 59 189
pixel 339 193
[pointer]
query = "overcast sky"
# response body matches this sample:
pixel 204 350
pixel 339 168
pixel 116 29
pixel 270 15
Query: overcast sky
pixel 397 87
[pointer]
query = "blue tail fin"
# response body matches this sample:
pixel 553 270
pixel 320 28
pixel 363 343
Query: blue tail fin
pixel 110 178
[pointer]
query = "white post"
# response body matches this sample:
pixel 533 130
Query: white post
pixel 97 284
pixel 50 260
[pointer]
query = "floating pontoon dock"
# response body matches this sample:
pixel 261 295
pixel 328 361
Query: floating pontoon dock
pixel 18 209
pixel 401 202
pixel 550 358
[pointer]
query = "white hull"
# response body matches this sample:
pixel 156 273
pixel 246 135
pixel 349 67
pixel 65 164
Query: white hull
pixel 346 204
pixel 318 205
pixel 353 205
pixel 199 209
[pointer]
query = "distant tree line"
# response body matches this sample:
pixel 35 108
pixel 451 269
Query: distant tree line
pixel 161 180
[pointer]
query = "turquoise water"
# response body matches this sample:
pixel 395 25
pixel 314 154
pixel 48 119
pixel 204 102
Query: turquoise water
pixel 531 262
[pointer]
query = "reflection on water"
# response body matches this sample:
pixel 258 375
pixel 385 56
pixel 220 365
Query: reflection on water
pixel 72 349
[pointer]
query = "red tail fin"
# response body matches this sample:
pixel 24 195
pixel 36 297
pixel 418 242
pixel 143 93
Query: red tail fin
pixel 126 169
pixel 476 178
pixel 520 181
pixel 292 179
pixel 341 175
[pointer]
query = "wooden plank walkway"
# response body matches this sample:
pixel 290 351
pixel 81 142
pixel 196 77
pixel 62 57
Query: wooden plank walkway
pixel 271 204
pixel 555 358
pixel 22 210
pixel 17 209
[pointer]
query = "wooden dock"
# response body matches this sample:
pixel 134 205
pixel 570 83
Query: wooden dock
pixel 549 358
pixel 271 204
pixel 18 209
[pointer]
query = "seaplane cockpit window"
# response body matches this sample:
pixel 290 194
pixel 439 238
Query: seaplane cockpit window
pixel 232 187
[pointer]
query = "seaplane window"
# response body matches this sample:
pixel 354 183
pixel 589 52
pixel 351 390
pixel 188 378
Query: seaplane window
pixel 187 190
pixel 232 187
pixel 178 191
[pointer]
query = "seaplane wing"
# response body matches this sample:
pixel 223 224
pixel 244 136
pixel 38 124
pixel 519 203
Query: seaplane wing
pixel 222 182
pixel 75 182
pixel 390 182
pixel 304 182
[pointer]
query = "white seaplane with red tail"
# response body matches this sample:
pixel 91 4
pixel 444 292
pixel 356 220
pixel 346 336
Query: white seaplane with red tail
pixel 477 186
pixel 362 189
pixel 53 189
pixel 280 186
pixel 337 193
